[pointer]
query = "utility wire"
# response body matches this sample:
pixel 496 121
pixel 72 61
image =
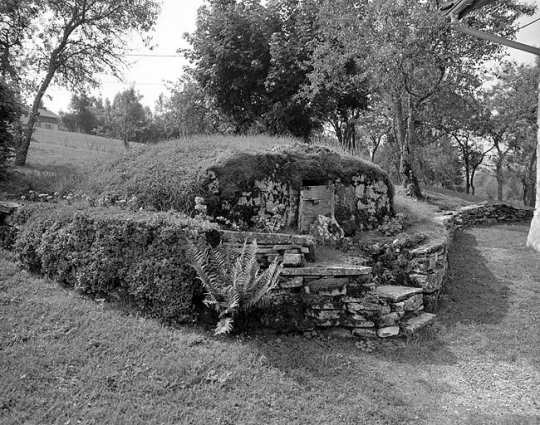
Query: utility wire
pixel 526 25
pixel 154 56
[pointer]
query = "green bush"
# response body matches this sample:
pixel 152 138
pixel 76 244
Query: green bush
pixel 109 252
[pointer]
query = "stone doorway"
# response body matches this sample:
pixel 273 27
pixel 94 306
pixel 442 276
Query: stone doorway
pixel 315 200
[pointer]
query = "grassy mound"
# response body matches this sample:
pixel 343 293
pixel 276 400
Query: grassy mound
pixel 164 176
pixel 169 175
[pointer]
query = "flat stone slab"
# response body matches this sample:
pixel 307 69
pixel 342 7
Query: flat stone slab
pixel 396 293
pixel 331 270
pixel 8 207
pixel 268 238
pixel 414 324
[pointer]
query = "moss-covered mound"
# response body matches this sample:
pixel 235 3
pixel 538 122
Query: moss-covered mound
pixel 290 186
pixel 167 175
pixel 253 183
pixel 297 165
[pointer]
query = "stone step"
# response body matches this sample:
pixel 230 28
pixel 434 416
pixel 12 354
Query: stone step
pixel 394 293
pixel 414 324
pixel 327 270
pixel 268 238
pixel 8 207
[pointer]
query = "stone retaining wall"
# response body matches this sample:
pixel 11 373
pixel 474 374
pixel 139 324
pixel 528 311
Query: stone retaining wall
pixel 477 215
pixel 389 293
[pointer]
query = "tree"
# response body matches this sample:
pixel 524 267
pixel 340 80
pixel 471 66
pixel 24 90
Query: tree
pixel 10 112
pixel 337 89
pixel 190 111
pixel 461 121
pixel 16 26
pixel 521 85
pixel 67 43
pixel 509 118
pixel 251 60
pixel 408 54
pixel 81 116
pixel 128 117
pixel 291 50
pixel 231 57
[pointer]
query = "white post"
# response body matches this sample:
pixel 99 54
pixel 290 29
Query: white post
pixel 533 240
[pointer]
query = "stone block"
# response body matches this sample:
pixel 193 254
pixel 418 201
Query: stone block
pixel 357 321
pixel 286 247
pixel 330 270
pixel 325 316
pixel 327 284
pixel 363 306
pixel 364 332
pixel 413 303
pixel 396 293
pixel 294 282
pixel 293 260
pixel 317 302
pixel 414 324
pixel 388 331
pixel 355 290
pixel 8 207
pixel 390 319
pixel 332 292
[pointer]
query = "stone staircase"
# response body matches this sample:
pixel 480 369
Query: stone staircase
pixel 323 295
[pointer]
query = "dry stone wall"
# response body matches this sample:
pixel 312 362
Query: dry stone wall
pixel 268 191
pixel 392 292
pixel 478 215
pixel 318 295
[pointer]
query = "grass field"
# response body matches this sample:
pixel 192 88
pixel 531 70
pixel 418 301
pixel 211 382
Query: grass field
pixel 57 161
pixel 68 359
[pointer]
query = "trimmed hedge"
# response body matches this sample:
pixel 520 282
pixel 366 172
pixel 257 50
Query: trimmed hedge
pixel 107 252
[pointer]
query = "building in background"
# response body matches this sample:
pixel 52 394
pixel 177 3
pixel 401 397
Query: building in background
pixel 46 119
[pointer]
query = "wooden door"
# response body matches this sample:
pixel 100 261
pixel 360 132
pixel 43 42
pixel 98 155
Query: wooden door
pixel 315 201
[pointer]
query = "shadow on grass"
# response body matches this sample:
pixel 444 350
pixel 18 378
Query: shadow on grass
pixel 473 294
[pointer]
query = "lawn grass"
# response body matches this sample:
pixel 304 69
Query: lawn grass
pixel 69 359
pixel 446 199
pixel 57 162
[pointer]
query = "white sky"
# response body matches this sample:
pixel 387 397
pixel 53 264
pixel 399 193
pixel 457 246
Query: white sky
pixel 150 74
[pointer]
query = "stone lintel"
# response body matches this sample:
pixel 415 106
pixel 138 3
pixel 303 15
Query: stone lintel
pixel 327 271
pixel 396 293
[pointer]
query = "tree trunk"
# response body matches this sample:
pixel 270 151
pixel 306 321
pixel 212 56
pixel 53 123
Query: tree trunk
pixel 407 139
pixel 473 171
pixel 467 177
pixel 533 239
pixel 21 150
pixel 500 179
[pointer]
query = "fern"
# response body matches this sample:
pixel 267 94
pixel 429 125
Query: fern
pixel 234 282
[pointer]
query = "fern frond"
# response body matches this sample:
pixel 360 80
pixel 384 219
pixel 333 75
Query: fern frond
pixel 207 275
pixel 246 270
pixel 224 326
pixel 264 283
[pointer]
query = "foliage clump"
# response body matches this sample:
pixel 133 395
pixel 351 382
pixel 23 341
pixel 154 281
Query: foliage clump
pixel 10 112
pixel 233 281
pixel 106 252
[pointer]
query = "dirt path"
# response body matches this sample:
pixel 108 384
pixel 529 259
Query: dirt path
pixel 491 313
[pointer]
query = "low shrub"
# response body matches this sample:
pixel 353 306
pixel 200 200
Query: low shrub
pixel 109 252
